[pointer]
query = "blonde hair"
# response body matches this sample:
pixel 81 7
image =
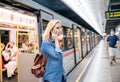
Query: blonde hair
pixel 49 27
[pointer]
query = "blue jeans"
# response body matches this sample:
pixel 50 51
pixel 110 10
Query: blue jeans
pixel 63 79
pixel 49 81
pixel 46 81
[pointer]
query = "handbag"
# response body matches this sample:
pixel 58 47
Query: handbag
pixel 39 65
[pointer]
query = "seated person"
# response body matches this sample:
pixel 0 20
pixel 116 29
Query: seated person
pixel 12 57
pixel 24 47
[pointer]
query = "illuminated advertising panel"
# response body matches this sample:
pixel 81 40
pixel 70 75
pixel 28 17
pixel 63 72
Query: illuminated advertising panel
pixel 13 18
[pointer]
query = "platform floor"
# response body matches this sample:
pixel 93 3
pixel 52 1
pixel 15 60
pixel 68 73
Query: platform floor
pixel 96 67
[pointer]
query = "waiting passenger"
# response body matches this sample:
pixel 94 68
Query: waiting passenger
pixel 112 42
pixel 54 71
pixel 12 64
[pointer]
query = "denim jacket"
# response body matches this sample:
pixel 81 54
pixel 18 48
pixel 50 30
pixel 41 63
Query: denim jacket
pixel 54 66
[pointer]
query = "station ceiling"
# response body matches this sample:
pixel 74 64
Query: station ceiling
pixel 59 7
pixel 55 5
pixel 113 19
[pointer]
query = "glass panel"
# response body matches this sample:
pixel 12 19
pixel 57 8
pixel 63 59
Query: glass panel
pixel 27 42
pixel 23 37
pixel 44 22
pixel 62 42
pixel 68 55
pixel 77 39
pixel 88 41
pixel 69 38
pixel 93 40
pixel 84 46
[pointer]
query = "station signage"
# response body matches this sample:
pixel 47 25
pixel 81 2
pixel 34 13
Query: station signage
pixel 14 18
pixel 112 14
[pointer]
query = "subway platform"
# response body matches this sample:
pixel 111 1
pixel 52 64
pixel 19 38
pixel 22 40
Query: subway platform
pixel 96 67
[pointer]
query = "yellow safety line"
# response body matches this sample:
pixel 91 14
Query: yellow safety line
pixel 81 74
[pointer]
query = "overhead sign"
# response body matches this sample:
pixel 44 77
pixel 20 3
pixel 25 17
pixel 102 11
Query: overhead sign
pixel 112 14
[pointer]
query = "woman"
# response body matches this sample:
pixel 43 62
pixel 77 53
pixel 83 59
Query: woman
pixel 54 71
pixel 12 64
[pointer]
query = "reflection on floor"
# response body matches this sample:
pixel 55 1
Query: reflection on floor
pixel 12 79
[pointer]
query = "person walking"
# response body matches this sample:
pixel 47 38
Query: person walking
pixel 112 44
pixel 54 71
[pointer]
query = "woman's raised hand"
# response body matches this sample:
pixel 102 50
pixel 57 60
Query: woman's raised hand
pixel 55 35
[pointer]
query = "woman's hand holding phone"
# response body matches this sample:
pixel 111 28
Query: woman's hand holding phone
pixel 55 38
pixel 54 34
